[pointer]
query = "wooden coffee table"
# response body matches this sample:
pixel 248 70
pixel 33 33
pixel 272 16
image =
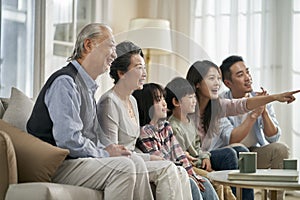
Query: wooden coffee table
pixel 221 177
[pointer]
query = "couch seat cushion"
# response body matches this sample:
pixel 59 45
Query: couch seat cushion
pixel 51 191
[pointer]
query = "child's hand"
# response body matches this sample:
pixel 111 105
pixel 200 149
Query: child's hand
pixel 206 165
pixel 190 158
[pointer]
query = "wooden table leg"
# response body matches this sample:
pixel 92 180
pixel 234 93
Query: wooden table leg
pixel 273 194
pixel 239 193
pixel 264 194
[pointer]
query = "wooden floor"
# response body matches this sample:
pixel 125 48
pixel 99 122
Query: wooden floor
pixel 288 196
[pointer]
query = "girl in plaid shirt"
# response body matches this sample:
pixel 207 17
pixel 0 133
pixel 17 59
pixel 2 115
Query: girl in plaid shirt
pixel 157 138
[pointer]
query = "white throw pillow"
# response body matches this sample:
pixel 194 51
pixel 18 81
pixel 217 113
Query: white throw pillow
pixel 19 109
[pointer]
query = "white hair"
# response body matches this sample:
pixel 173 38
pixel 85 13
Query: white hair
pixel 90 31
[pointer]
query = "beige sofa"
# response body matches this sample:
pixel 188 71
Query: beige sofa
pixel 27 163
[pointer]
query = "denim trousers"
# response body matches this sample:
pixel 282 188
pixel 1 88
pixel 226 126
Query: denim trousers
pixel 226 158
pixel 208 194
pixel 196 194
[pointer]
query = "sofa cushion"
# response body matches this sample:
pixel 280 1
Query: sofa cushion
pixel 36 160
pixel 1 109
pixel 51 191
pixel 18 110
pixel 8 164
pixel 5 102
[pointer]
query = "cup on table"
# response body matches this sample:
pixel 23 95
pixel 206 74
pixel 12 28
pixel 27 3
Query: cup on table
pixel 247 162
pixel 290 164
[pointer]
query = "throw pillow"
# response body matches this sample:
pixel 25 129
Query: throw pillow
pixel 8 164
pixel 19 109
pixel 37 161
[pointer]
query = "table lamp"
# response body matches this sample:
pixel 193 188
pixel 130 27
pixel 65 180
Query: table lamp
pixel 152 35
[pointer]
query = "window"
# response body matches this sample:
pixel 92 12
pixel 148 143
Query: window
pixel 35 40
pixel 17 43
pixel 65 19
pixel 63 22
pixel 266 34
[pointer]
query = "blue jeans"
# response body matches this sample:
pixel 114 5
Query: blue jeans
pixel 226 158
pixel 196 194
pixel 240 149
pixel 210 192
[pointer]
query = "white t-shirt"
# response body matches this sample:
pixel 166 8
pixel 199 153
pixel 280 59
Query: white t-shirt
pixel 250 140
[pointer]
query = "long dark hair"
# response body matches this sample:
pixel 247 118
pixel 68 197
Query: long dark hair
pixel 145 99
pixel 195 75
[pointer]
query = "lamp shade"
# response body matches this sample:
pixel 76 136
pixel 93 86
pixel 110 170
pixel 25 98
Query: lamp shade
pixel 151 34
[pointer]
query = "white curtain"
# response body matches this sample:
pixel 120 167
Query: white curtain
pixel 166 67
pixel 261 32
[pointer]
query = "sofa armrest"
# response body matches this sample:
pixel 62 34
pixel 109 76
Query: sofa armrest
pixel 8 164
